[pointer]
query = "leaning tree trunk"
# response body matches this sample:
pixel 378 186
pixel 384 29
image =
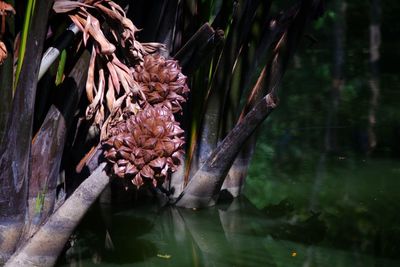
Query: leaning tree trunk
pixel 48 147
pixel 274 30
pixel 16 148
pixel 45 246
pixel 212 122
pixel 204 187
pixel 198 49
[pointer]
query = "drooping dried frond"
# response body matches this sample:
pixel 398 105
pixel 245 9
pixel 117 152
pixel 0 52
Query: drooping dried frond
pixel 132 93
pixel 5 9
pixel 162 82
pixel 110 74
pixel 3 52
pixel 63 6
pixel 145 146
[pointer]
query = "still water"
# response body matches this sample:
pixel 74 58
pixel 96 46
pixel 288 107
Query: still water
pixel 344 213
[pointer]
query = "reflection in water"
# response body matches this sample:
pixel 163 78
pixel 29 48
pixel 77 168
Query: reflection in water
pixel 347 228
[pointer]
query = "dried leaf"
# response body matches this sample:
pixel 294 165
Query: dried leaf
pixel 3 52
pixel 64 6
pixel 114 76
pixel 93 27
pixel 90 76
pixel 5 7
pixel 93 107
pixel 110 96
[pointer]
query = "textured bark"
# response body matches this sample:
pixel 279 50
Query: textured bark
pixel 6 81
pixel 45 246
pixel 48 147
pixel 204 187
pixel 212 121
pixel 15 153
pixel 276 28
pixel 269 79
pixel 191 56
pixel 235 179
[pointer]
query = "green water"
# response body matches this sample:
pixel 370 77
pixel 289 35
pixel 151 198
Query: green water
pixel 344 213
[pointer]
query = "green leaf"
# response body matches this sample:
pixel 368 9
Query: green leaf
pixel 61 66
pixel 24 36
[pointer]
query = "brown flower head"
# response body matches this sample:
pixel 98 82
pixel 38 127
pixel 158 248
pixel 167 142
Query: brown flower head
pixel 147 145
pixel 162 82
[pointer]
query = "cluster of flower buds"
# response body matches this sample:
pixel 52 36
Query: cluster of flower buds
pixel 147 145
pixel 133 98
pixel 162 82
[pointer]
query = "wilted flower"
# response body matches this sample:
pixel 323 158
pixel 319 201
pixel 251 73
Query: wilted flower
pixel 147 145
pixel 162 82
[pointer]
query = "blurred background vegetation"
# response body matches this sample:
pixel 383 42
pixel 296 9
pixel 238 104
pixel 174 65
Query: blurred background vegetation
pixel 312 160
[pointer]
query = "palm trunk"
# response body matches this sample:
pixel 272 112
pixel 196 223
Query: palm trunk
pixel 6 81
pixel 45 246
pixel 15 153
pixel 203 189
pixel 210 132
pixel 268 78
pixel 191 56
pixel 235 179
pixel 48 147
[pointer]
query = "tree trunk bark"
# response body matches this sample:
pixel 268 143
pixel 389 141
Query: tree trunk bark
pixel 6 81
pixel 45 246
pixel 15 153
pixel 203 189
pixel 212 122
pixel 48 147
